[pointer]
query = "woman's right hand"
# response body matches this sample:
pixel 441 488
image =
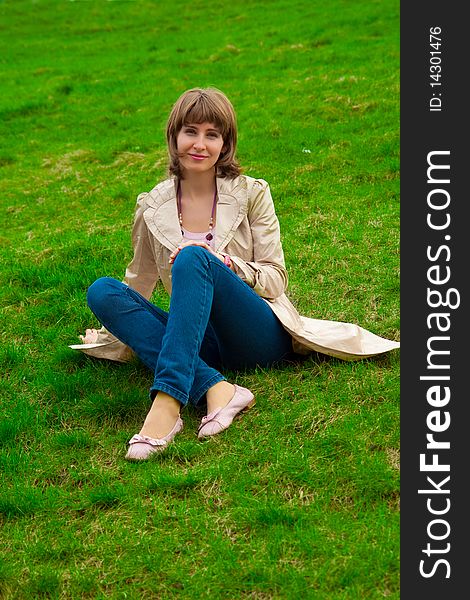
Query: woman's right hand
pixel 201 244
pixel 90 337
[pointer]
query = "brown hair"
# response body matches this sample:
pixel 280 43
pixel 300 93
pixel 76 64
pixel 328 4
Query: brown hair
pixel 204 105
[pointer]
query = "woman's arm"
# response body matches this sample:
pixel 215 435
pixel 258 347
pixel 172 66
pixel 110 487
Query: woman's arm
pixel 266 274
pixel 141 273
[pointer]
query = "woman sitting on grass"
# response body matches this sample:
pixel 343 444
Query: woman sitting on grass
pixel 212 236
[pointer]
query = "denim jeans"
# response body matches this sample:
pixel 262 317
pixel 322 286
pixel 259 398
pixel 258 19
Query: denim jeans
pixel 215 321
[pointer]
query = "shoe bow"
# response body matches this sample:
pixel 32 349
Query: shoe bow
pixel 144 439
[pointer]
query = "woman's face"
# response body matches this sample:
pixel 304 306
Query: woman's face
pixel 199 146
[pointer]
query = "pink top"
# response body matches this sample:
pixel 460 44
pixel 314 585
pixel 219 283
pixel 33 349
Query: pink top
pixel 199 237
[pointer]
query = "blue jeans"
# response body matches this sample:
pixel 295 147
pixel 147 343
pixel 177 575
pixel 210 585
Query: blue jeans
pixel 215 321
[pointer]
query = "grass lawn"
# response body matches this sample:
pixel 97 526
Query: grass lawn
pixel 300 498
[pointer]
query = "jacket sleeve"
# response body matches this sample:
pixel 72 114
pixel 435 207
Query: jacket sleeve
pixel 141 273
pixel 266 273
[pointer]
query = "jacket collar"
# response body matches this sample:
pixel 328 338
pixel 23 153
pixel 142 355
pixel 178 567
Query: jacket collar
pixel 161 214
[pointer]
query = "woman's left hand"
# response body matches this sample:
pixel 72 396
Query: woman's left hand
pixel 90 337
pixel 205 245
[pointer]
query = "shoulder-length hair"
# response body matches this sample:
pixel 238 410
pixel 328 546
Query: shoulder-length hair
pixel 204 105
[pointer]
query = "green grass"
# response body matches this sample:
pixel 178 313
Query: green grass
pixel 299 498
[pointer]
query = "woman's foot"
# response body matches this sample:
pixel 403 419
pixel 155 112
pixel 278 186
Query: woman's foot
pixel 141 447
pixel 221 417
pixel 161 425
pixel 219 395
pixel 162 416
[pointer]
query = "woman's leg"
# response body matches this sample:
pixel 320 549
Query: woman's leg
pixel 205 291
pixel 141 325
pixel 210 305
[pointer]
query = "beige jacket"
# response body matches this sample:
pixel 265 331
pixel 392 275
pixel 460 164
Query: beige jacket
pixel 248 230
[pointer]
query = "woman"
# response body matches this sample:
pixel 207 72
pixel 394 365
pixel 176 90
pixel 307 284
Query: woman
pixel 212 236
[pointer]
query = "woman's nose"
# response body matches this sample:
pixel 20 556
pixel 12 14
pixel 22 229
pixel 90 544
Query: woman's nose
pixel 199 142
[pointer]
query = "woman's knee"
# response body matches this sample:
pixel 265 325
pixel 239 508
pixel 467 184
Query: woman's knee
pixel 99 292
pixel 189 256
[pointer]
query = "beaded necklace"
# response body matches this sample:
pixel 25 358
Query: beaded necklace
pixel 209 236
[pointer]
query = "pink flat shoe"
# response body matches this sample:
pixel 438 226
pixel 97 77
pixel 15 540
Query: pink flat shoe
pixel 221 418
pixel 142 446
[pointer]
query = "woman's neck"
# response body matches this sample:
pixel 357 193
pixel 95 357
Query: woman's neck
pixel 196 185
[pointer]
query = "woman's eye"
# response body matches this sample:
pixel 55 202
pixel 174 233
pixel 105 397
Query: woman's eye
pixel 211 134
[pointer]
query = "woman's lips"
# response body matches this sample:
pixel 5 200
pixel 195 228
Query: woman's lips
pixel 197 156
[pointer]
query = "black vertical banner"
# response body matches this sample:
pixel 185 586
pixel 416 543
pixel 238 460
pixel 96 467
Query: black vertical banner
pixel 435 349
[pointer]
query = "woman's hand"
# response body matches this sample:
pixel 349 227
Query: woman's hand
pixel 205 245
pixel 90 337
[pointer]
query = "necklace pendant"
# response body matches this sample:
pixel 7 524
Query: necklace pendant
pixel 209 237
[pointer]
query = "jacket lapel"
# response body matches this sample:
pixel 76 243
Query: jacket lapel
pixel 161 214
pixel 231 209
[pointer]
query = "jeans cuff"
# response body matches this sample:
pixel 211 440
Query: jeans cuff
pixel 168 389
